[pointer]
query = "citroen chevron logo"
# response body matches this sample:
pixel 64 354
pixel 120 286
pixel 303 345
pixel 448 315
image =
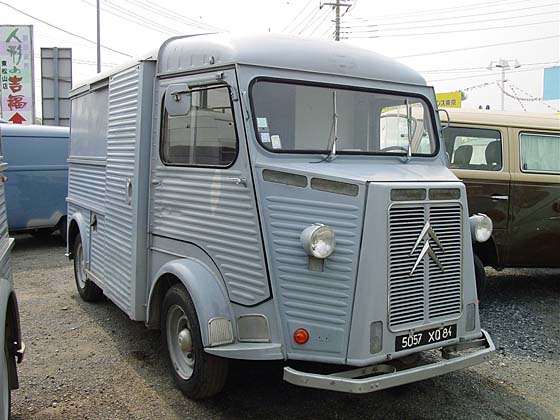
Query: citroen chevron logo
pixel 425 235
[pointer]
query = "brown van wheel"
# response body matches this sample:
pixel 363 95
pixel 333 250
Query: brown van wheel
pixel 480 274
pixel 196 373
pixel 87 289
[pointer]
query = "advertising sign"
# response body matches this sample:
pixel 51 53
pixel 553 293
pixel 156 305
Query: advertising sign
pixel 17 91
pixel 448 100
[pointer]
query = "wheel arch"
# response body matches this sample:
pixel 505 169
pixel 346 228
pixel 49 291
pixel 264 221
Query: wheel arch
pixel 77 225
pixel 207 293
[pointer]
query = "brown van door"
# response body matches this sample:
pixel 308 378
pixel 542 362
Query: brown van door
pixel 535 199
pixel 477 157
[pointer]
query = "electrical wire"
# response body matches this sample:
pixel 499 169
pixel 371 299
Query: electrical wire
pixel 63 30
pixel 492 28
pixel 298 14
pixel 302 23
pixel 454 24
pixel 458 70
pixel 480 75
pixel 173 15
pixel 498 44
pixel 444 11
pixel 320 17
pixel 455 17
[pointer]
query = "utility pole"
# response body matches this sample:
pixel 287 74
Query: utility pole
pixel 503 65
pixel 336 6
pixel 98 39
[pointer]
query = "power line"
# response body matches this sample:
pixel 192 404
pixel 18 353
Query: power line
pixel 479 75
pixel 458 17
pixel 298 14
pixel 302 22
pixel 458 70
pixel 452 31
pixel 455 23
pixel 446 10
pixel 62 30
pixel 320 15
pixel 114 10
pixel 498 44
pixel 173 15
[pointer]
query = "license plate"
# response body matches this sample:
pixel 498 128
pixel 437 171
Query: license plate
pixel 422 338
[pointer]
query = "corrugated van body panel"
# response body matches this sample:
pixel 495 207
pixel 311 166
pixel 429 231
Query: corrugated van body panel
pixel 3 215
pixel 205 206
pixel 318 300
pixel 121 149
pixel 86 184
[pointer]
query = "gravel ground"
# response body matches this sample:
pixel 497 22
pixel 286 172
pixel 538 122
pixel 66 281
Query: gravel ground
pixel 89 361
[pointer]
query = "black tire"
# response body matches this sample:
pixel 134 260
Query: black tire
pixel 87 289
pixel 480 275
pixel 63 229
pixel 4 371
pixel 209 373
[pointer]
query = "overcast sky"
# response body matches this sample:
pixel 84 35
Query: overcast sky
pixel 411 31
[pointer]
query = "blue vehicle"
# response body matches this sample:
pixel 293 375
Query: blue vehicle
pixel 37 177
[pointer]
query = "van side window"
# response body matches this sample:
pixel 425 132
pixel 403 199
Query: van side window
pixel 473 148
pixel 206 136
pixel 540 152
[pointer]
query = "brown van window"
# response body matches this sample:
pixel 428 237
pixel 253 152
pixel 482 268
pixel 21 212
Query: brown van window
pixel 206 136
pixel 540 153
pixel 473 148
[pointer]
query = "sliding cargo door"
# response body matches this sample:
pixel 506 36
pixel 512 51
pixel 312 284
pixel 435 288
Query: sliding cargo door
pixel 128 142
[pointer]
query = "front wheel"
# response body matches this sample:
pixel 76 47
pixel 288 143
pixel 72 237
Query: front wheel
pixel 480 275
pixel 87 289
pixel 196 373
pixel 5 391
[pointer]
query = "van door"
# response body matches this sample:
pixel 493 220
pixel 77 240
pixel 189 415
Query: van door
pixel 201 187
pixel 478 156
pixel 535 199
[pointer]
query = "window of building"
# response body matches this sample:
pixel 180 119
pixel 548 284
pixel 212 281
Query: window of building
pixel 206 136
pixel 540 153
pixel 473 148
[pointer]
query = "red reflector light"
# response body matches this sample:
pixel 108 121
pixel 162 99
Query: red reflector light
pixel 301 336
pixel 4 179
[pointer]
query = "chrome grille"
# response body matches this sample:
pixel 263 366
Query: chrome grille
pixel 426 294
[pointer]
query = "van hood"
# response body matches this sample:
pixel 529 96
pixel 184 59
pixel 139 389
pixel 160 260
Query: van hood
pixel 344 169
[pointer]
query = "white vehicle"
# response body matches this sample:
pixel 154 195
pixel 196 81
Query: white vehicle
pixel 275 198
pixel 11 345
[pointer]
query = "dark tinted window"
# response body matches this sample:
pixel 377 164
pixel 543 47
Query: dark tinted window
pixel 473 148
pixel 205 136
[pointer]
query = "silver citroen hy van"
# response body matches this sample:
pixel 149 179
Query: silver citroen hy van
pixel 275 198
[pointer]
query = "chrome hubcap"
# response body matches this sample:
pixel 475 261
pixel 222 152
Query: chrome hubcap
pixel 179 341
pixel 80 266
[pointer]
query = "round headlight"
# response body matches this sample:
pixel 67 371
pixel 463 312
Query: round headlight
pixel 318 240
pixel 481 227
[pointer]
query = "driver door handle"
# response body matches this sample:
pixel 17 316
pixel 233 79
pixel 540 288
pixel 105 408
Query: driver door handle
pixel 500 197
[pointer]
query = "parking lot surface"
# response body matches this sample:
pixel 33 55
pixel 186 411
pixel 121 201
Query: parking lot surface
pixel 90 361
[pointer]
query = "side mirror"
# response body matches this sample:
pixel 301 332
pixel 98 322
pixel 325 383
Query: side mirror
pixel 177 99
pixel 448 118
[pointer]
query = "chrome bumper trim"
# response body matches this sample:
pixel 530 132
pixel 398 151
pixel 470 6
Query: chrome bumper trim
pixel 353 381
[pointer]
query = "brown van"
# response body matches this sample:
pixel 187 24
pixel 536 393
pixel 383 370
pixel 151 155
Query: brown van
pixel 510 164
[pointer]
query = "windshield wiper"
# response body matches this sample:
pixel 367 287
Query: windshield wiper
pixel 409 127
pixel 334 130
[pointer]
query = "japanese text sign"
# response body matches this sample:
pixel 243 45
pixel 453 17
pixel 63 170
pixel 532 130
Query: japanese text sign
pixel 16 74
pixel 448 100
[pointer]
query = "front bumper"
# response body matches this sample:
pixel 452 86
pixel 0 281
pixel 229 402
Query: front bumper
pixel 361 381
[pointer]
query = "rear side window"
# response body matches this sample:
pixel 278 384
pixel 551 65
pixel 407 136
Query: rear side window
pixel 206 136
pixel 473 148
pixel 540 153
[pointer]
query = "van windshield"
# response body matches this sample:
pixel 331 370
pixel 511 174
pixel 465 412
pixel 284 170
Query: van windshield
pixel 309 119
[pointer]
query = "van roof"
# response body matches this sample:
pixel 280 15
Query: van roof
pixel 33 130
pixel 189 52
pixel 504 118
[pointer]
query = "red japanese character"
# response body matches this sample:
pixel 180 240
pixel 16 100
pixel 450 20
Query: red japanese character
pixel 16 102
pixel 15 84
